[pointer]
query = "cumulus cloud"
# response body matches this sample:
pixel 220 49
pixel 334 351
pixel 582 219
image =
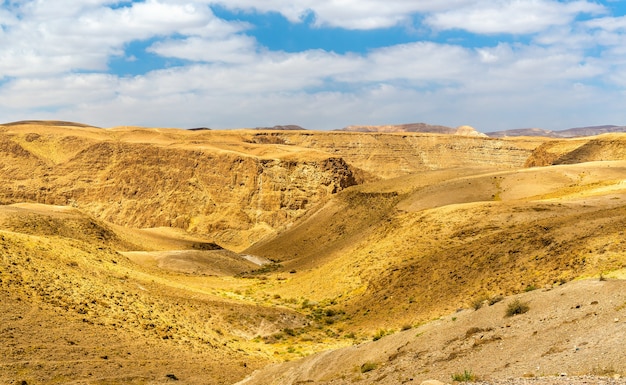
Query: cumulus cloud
pixel 350 14
pixel 511 16
pixel 608 23
pixel 49 92
pixel 54 62
pixel 231 49
pixel 84 35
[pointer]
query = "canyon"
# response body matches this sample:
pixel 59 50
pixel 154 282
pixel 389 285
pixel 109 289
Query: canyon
pixel 144 255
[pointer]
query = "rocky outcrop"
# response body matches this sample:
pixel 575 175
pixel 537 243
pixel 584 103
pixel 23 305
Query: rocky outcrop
pixel 389 155
pixel 468 131
pixel 409 127
pixel 237 186
pixel 236 196
pixel 601 148
pixel 417 127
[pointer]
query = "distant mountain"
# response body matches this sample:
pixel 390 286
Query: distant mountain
pixel 47 123
pixel 590 131
pixel 410 127
pixel 288 127
pixel 416 127
pixel 568 133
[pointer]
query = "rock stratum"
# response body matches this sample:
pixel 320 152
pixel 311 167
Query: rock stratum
pixel 417 127
pixel 236 185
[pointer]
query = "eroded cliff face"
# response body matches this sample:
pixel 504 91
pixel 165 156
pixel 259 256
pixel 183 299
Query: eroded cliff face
pixel 390 155
pixel 236 196
pixel 600 148
pixel 238 186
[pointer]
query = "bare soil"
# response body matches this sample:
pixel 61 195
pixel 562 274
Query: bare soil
pixel 134 255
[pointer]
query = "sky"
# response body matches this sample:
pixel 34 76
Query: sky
pixel 320 64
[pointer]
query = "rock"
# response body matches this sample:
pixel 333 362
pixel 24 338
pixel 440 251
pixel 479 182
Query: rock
pixel 432 382
pixel 468 131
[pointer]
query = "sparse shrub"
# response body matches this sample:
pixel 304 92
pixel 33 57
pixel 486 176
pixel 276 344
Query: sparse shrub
pixel 274 338
pixel 478 302
pixel 466 376
pixel 604 371
pixel 368 367
pixel 307 338
pixel 517 307
pixel 257 273
pixel 530 288
pixel 473 330
pixel 379 334
pixel 495 299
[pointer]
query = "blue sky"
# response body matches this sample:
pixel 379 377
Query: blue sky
pixel 321 64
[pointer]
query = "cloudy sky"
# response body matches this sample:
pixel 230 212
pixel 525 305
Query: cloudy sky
pixel 321 64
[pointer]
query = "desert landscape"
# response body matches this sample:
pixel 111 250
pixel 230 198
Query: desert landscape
pixel 369 255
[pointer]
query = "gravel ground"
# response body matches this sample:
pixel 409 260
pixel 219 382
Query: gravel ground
pixel 563 380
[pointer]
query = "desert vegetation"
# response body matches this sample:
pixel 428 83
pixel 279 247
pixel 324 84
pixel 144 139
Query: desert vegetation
pixel 516 307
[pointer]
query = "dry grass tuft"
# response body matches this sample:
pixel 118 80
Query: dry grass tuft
pixel 516 307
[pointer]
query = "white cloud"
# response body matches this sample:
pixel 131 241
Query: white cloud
pixel 608 23
pixel 511 16
pixel 422 62
pixel 553 80
pixel 76 35
pixel 231 49
pixel 50 92
pixel 349 14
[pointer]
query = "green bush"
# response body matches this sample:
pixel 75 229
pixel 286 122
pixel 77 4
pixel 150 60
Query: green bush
pixel 495 299
pixel 530 288
pixel 478 302
pixel 466 376
pixel 381 333
pixel 517 307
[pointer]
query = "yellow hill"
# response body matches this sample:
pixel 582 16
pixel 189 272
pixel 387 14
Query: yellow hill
pixel 131 254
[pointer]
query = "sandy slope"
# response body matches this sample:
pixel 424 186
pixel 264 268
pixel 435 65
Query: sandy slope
pixel 577 328
pixel 441 224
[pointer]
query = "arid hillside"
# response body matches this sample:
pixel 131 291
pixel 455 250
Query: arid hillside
pixel 572 330
pixel 237 186
pixel 600 148
pixel 204 182
pixel 136 255
pixel 75 309
pixel 408 250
